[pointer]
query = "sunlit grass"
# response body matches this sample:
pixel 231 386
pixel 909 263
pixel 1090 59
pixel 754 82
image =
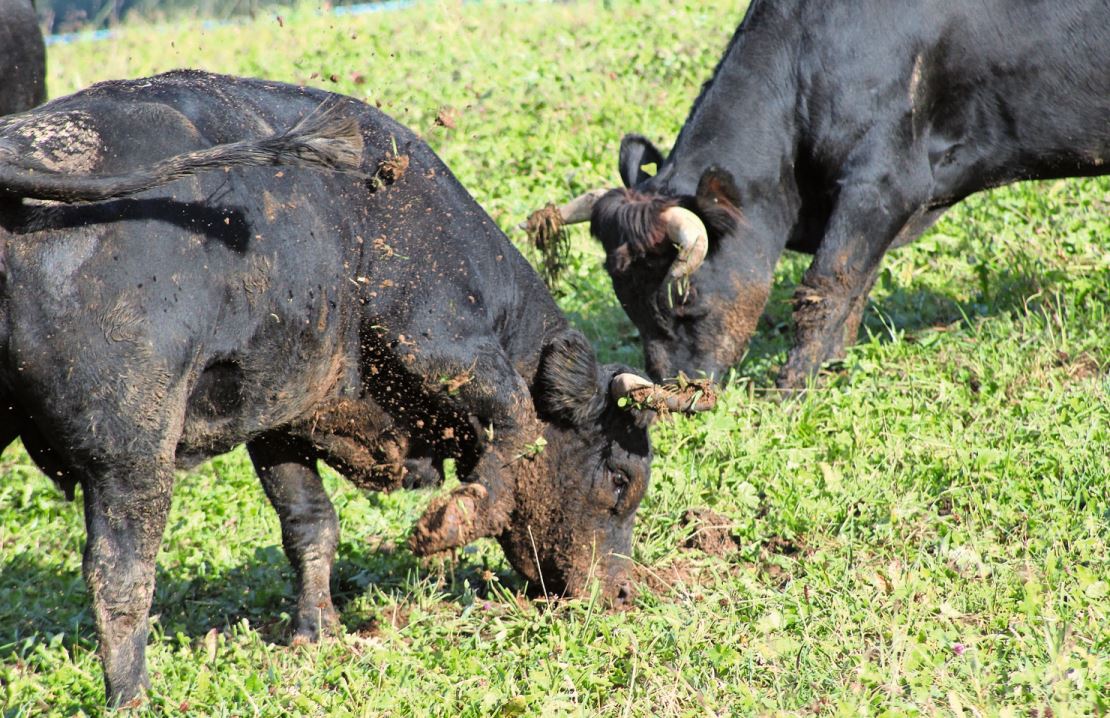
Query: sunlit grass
pixel 925 533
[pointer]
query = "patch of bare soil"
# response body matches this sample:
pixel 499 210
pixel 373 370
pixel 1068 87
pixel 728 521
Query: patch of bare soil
pixel 783 546
pixel 711 533
pixel 393 617
pixel 779 559
pixel 1080 367
pixel 663 579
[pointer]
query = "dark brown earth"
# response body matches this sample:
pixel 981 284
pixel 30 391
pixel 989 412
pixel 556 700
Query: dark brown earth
pixel 712 533
pixel 392 617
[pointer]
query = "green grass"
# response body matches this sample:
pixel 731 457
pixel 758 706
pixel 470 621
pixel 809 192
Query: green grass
pixel 926 533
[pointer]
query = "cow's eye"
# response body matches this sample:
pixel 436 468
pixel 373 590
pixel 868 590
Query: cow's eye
pixel 620 482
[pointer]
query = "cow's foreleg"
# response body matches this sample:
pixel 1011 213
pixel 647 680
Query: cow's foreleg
pixel 505 425
pixel 855 311
pixel 498 399
pixel 829 303
pixel 309 528
pixel 914 228
pixel 125 514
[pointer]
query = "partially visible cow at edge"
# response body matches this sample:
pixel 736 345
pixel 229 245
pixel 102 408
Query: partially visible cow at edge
pixel 22 58
pixel 310 315
pixel 840 129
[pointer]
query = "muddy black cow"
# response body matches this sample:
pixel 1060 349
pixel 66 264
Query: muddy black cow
pixel 840 129
pixel 365 317
pixel 22 57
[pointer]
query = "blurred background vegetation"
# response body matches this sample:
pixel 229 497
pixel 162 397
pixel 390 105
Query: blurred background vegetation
pixel 65 16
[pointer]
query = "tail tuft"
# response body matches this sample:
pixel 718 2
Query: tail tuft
pixel 328 137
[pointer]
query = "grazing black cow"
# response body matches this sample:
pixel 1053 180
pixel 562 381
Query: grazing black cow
pixel 22 58
pixel 363 320
pixel 841 129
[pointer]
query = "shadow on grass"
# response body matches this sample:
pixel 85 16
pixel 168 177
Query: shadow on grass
pixel 898 309
pixel 43 598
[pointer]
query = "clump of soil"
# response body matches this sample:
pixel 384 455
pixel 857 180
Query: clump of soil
pixel 683 396
pixel 446 118
pixel 783 546
pixel 547 233
pixel 390 170
pixel 712 533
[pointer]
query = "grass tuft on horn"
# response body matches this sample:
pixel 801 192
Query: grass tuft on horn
pixel 548 234
pixel 682 396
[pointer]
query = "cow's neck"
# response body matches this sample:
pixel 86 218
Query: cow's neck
pixel 529 317
pixel 744 122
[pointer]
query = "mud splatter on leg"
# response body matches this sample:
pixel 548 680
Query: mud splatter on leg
pixel 125 515
pixel 855 314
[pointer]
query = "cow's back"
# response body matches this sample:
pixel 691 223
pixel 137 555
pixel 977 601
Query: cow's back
pixel 997 90
pixel 243 291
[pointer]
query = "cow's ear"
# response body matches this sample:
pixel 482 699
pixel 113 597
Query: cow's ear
pixel 718 201
pixel 717 186
pixel 637 151
pixel 567 387
pixel 468 513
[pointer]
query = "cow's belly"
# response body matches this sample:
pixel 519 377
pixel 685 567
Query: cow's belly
pixel 237 398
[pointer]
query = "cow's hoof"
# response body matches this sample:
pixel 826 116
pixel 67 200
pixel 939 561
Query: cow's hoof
pixel 126 699
pixel 314 624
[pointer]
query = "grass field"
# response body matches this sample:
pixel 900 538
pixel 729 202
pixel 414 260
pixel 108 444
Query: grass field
pixel 926 533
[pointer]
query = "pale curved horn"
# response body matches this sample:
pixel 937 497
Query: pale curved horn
pixel 685 399
pixel 688 234
pixel 623 385
pixel 577 210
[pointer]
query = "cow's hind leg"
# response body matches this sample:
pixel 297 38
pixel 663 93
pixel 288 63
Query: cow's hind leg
pixel 126 504
pixel 309 528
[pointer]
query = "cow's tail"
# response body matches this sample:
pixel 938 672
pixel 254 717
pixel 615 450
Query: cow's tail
pixel 328 138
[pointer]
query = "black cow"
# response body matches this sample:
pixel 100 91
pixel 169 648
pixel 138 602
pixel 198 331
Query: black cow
pixel 361 320
pixel 841 129
pixel 22 57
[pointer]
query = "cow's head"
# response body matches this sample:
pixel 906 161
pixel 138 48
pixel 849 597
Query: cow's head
pixel 563 507
pixel 694 303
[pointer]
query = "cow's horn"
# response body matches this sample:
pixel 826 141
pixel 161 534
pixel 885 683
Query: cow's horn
pixel 623 385
pixel 577 210
pixel 687 232
pixel 702 398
